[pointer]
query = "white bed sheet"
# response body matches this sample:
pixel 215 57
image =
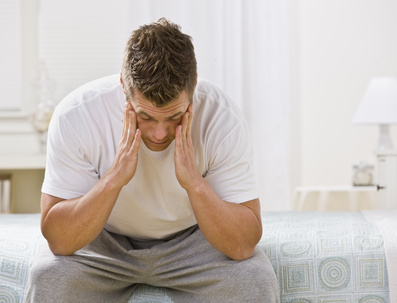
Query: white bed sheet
pixel 386 220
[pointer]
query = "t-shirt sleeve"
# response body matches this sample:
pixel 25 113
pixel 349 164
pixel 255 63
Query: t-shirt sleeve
pixel 231 172
pixel 68 174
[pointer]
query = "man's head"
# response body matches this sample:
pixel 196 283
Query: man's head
pixel 159 75
pixel 160 63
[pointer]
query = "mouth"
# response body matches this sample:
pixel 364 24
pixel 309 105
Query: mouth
pixel 157 142
pixel 157 145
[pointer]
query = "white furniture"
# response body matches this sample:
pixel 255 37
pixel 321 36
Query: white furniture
pixel 334 198
pixel 27 174
pixel 9 161
pixel 387 179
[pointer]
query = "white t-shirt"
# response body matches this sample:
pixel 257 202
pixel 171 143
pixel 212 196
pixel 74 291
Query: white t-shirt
pixel 82 142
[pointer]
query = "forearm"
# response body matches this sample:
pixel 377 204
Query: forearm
pixel 233 229
pixel 69 225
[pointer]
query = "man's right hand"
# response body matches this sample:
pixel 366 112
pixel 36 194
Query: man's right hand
pixel 125 162
pixel 69 225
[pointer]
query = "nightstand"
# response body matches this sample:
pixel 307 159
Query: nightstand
pixel 387 178
pixel 27 174
pixel 335 198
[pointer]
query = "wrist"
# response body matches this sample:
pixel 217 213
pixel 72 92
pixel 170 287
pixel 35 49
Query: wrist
pixel 111 181
pixel 197 186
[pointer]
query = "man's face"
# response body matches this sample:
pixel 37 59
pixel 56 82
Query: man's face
pixel 158 125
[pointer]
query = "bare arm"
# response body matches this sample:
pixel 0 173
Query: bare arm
pixel 233 229
pixel 69 225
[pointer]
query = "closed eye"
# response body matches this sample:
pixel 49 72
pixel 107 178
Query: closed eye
pixel 175 119
pixel 144 116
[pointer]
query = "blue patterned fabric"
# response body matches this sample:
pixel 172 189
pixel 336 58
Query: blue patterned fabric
pixel 19 240
pixel 318 257
pixel 326 257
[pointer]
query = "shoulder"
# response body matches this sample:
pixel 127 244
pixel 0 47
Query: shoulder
pixel 89 109
pixel 219 123
pixel 215 106
pixel 87 122
pixel 92 96
pixel 210 93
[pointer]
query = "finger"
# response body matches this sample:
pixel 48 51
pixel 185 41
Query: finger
pixel 132 109
pixel 126 118
pixel 178 139
pixel 185 121
pixel 137 141
pixel 131 126
pixel 190 121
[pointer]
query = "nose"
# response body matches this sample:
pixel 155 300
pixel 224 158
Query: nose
pixel 160 132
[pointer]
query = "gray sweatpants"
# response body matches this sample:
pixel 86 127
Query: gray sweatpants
pixel 110 268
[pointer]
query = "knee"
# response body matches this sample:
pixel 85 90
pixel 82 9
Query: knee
pixel 46 269
pixel 48 279
pixel 259 278
pixel 266 275
pixel 260 267
pixel 39 270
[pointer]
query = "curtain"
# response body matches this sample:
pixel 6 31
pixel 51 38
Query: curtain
pixel 241 46
pixel 10 55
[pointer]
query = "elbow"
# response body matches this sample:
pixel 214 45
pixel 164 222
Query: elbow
pixel 58 245
pixel 241 254
pixel 61 250
pixel 243 250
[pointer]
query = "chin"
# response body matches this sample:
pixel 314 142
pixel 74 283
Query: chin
pixel 157 147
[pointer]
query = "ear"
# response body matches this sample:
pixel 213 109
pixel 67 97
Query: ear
pixel 122 83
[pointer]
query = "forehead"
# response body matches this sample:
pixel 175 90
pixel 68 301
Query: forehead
pixel 142 105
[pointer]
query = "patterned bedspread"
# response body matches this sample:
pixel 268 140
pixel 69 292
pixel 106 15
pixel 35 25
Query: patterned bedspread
pixel 326 257
pixel 318 257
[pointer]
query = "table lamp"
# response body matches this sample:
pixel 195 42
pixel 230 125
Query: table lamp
pixel 379 106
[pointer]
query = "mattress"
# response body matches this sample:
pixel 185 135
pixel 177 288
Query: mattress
pixel 317 256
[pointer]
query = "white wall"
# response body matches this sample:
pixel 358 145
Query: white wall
pixel 341 44
pixel 336 47
pixel 16 132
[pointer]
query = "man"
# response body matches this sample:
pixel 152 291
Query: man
pixel 156 190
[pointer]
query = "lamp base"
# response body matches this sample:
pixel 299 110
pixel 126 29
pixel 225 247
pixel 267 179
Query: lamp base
pixel 384 140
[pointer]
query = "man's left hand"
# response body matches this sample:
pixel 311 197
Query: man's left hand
pixel 186 169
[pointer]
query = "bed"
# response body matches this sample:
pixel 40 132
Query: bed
pixel 317 256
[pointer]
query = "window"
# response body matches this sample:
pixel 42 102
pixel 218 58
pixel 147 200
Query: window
pixel 80 41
